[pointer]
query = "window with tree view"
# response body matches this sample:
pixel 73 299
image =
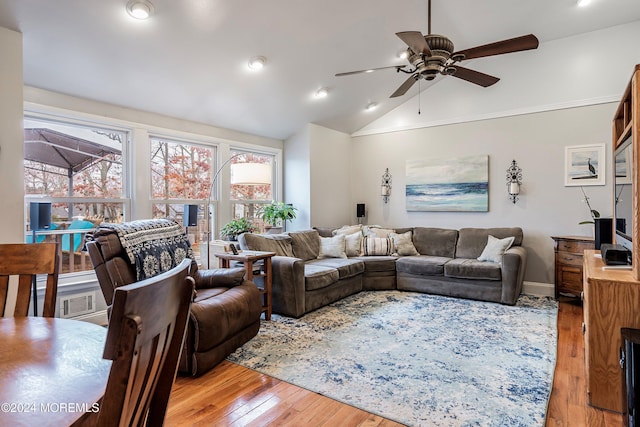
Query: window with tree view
pixel 248 198
pixel 80 170
pixel 181 175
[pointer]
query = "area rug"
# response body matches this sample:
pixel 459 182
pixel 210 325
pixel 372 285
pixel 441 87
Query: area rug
pixel 418 359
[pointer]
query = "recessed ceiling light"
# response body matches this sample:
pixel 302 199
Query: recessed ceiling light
pixel 257 62
pixel 371 106
pixel 140 9
pixel 582 3
pixel 403 54
pixel 322 92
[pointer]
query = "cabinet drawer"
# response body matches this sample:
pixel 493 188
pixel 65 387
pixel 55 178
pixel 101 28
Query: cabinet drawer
pixel 566 258
pixel 573 246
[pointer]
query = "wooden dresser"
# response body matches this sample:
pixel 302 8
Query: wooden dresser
pixel 568 263
pixel 611 301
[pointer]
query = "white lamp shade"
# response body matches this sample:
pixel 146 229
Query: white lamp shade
pixel 251 173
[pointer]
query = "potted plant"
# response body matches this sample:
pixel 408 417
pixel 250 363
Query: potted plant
pixel 236 227
pixel 276 214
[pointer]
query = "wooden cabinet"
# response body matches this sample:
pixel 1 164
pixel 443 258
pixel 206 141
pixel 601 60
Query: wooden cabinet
pixel 568 263
pixel 611 302
pixel 626 123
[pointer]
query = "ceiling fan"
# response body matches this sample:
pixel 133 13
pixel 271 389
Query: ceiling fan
pixel 433 54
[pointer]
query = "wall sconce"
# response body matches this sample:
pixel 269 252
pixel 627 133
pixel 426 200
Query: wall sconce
pixel 385 187
pixel 514 180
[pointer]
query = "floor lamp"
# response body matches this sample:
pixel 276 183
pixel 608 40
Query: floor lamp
pixel 241 174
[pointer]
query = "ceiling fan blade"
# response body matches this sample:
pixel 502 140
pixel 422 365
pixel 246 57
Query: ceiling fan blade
pixel 369 70
pixel 415 40
pixel 404 87
pixel 476 77
pixel 516 44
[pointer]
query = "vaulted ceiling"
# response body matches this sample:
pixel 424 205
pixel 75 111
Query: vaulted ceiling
pixel 189 60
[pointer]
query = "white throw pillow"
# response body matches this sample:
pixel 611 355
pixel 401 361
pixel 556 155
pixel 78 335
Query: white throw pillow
pixel 403 244
pixel 353 244
pixel 348 229
pixel 495 249
pixel 376 231
pixel 332 247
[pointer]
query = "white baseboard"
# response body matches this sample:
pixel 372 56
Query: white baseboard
pixel 539 289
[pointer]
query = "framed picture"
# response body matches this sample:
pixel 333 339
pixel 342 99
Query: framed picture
pixel 458 184
pixel 623 167
pixel 584 165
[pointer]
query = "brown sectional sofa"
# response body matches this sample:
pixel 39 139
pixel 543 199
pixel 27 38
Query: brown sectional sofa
pixel 444 263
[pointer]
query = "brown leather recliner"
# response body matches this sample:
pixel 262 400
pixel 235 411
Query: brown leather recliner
pixel 225 312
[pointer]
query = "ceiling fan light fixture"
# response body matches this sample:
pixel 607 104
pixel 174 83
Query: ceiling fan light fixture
pixel 323 92
pixel 403 54
pixel 139 9
pixel 257 63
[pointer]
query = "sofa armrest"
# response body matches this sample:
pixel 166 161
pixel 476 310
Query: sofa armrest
pixel 288 286
pixel 218 277
pixel 513 265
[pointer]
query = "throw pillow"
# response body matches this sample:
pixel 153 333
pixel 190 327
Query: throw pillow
pixel 377 246
pixel 403 244
pixel 348 229
pixel 353 244
pixel 495 248
pixel 375 231
pixel 305 244
pixel 332 247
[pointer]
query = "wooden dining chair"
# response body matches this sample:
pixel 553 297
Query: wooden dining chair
pixel 146 329
pixel 25 260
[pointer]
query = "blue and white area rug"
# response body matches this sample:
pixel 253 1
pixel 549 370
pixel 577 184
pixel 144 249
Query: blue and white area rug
pixel 418 359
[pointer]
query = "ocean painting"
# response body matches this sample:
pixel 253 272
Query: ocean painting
pixel 448 185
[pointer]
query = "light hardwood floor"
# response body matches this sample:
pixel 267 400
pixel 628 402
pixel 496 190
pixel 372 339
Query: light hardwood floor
pixel 231 395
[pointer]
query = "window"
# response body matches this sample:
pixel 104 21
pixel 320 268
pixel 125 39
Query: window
pixel 247 199
pixel 181 176
pixel 80 170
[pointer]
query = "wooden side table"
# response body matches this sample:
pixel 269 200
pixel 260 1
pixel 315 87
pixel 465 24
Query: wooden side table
pixel 249 259
pixel 568 263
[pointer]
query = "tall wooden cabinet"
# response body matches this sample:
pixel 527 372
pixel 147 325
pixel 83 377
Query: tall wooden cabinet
pixel 612 297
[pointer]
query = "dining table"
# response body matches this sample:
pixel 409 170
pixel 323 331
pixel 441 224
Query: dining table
pixel 51 370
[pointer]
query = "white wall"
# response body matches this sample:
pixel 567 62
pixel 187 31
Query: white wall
pixel 297 177
pixel 330 177
pixel 11 136
pixel 536 141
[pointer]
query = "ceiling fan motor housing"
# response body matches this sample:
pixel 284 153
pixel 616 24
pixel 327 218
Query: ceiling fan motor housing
pixel 441 48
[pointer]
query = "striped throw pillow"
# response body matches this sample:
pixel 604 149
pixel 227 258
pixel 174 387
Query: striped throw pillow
pixel 377 246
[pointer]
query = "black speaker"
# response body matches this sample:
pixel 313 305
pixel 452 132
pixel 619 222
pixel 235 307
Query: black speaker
pixel 603 231
pixel 615 254
pixel 360 210
pixel 190 215
pixel 40 216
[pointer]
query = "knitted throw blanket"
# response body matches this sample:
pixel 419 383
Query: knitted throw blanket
pixel 153 246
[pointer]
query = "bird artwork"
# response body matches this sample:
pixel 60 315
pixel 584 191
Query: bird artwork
pixel 592 169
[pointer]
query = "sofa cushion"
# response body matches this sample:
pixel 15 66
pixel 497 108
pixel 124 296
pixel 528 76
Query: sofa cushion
pixel 378 263
pixel 377 246
pixel 305 244
pixel 435 241
pixel 317 276
pixel 472 241
pixel 495 249
pixel 278 243
pixel 463 268
pixel 346 267
pixel 403 244
pixel 325 231
pixel 422 265
pixel 332 247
